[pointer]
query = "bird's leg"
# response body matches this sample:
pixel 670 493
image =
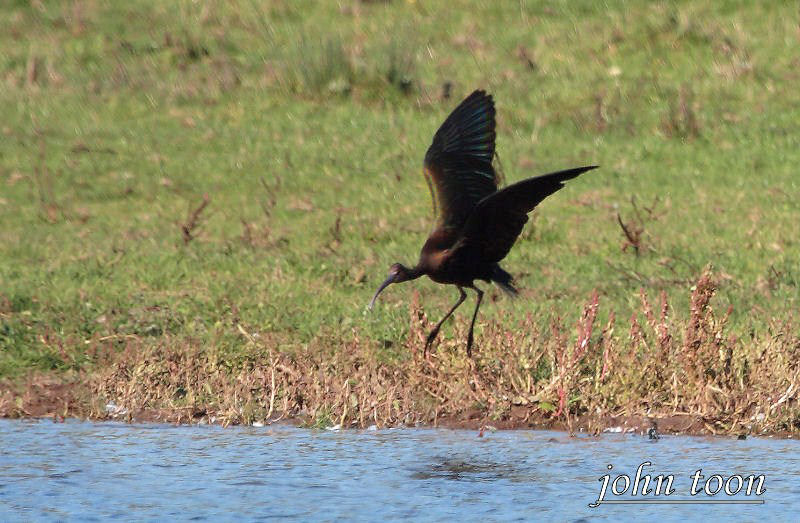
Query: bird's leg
pixel 435 331
pixel 472 325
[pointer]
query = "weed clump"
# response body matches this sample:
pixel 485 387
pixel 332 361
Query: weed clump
pixel 663 365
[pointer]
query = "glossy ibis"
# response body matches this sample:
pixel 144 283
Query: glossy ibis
pixel 476 224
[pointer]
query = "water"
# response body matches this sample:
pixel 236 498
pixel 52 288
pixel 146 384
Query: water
pixel 83 471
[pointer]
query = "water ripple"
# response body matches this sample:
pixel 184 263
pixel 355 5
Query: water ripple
pixel 96 471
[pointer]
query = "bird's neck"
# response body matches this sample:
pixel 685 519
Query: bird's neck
pixel 414 272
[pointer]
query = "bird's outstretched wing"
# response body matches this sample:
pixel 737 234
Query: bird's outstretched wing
pixel 458 164
pixel 497 219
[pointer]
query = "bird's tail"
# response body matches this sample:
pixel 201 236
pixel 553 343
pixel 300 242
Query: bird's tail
pixel 503 280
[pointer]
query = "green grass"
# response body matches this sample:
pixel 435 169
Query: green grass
pixel 306 124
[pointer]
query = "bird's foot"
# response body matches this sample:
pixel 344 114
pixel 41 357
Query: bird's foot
pixel 429 341
pixel 469 345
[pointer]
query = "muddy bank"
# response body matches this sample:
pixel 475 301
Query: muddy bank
pixel 48 398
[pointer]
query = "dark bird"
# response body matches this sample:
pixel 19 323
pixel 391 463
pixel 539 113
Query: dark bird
pixel 652 432
pixel 476 224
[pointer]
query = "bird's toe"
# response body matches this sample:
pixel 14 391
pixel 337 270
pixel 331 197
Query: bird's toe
pixel 431 337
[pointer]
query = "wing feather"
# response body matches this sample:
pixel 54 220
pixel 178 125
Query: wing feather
pixel 498 219
pixel 458 164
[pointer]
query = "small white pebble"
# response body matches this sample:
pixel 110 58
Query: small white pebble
pixel 115 410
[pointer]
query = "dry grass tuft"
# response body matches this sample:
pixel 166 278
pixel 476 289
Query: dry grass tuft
pixel 658 367
pixel 681 120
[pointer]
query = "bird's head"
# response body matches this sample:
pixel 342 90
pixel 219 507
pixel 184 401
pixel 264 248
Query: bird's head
pixel 397 273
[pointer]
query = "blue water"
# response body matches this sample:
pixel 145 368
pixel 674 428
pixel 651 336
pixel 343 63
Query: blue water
pixel 84 471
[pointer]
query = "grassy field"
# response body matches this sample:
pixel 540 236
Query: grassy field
pixel 198 199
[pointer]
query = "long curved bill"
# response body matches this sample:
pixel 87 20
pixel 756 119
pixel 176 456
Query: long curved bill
pixel 385 284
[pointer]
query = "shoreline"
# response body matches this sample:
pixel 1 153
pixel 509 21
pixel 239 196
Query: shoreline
pixel 683 378
pixel 670 427
pixel 60 401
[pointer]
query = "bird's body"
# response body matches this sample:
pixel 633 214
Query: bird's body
pixel 477 224
pixel 445 259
